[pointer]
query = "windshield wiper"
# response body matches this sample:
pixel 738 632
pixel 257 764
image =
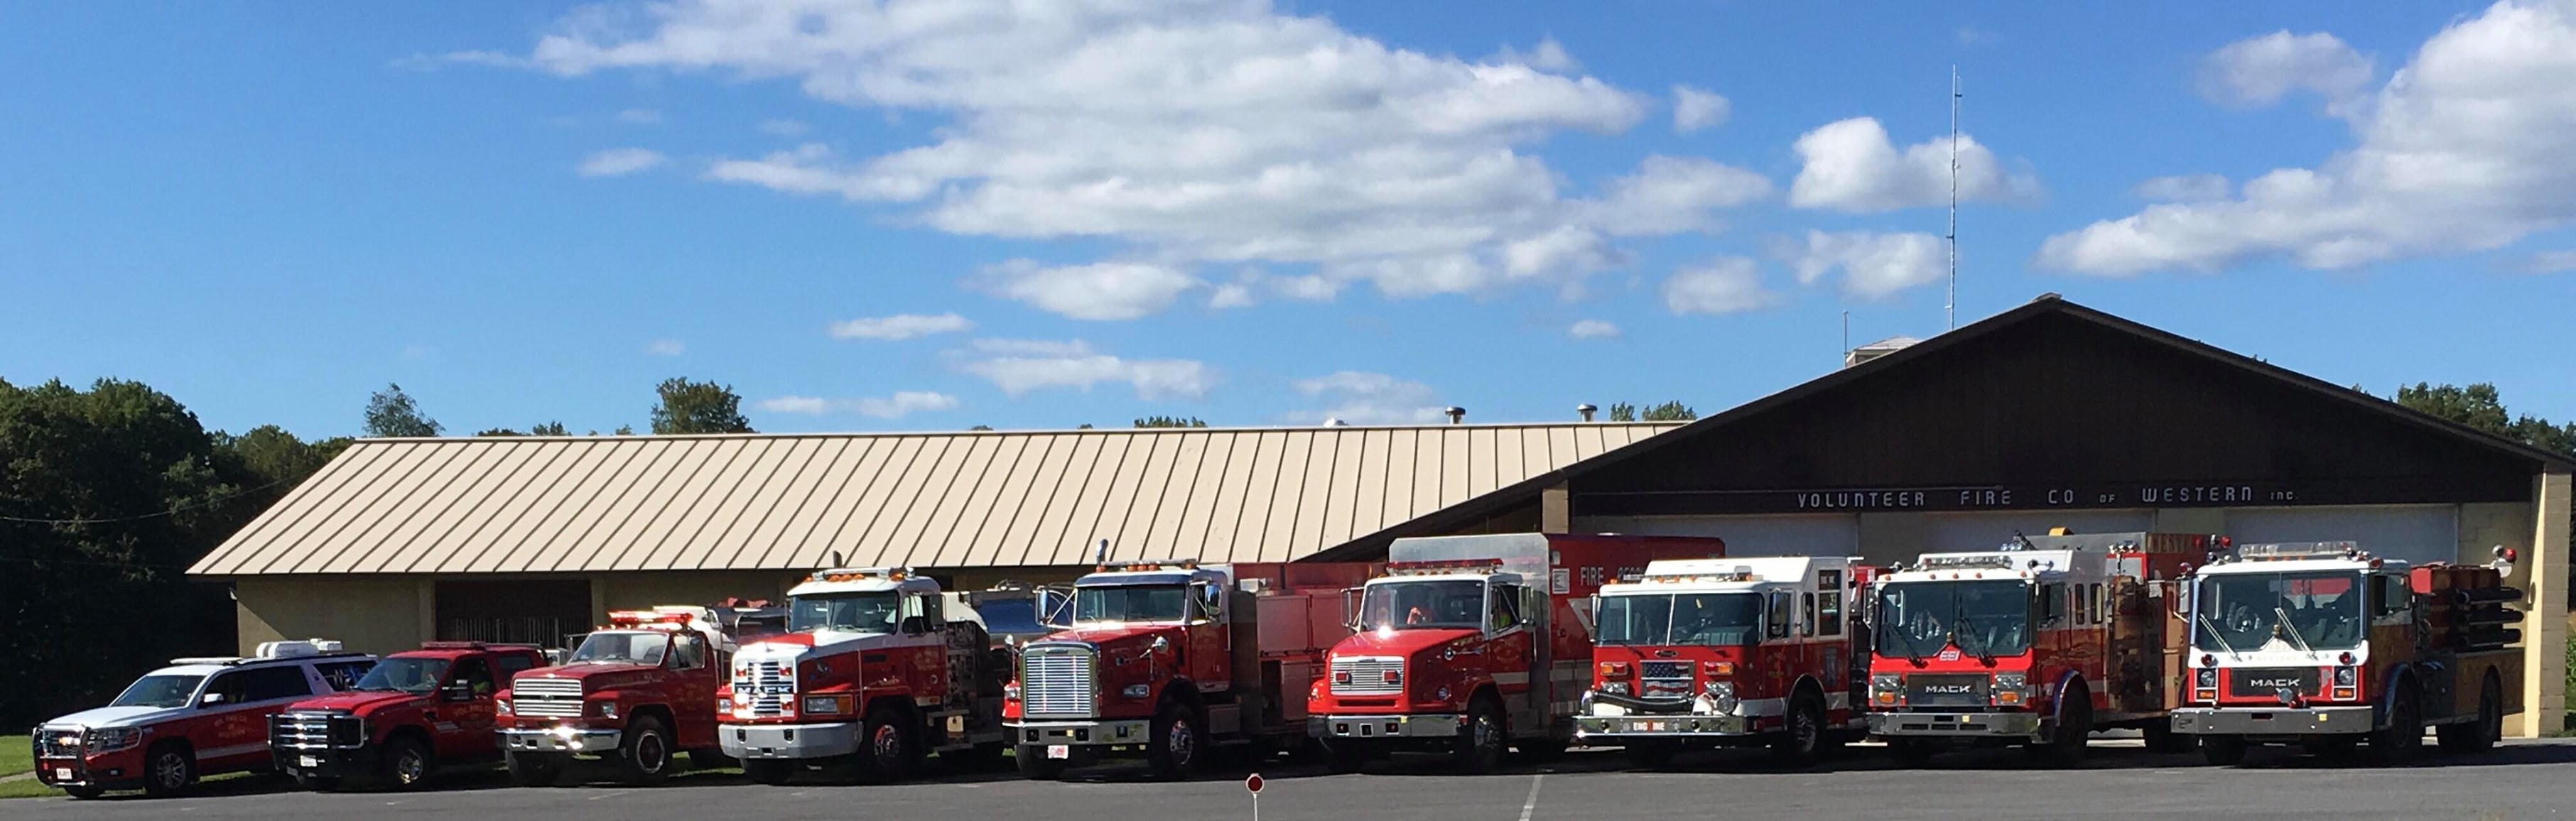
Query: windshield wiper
pixel 1966 627
pixel 2212 627
pixel 2292 629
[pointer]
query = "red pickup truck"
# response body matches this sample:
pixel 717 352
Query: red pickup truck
pixel 413 712
pixel 634 695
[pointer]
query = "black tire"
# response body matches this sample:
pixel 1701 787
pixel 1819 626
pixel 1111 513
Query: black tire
pixel 1802 741
pixel 1651 754
pixel 1174 746
pixel 2074 733
pixel 85 792
pixel 1035 766
pixel 168 770
pixel 1912 752
pixel 2480 735
pixel 533 769
pixel 2222 750
pixel 645 753
pixel 309 782
pixel 409 764
pixel 1479 748
pixel 2162 740
pixel 887 749
pixel 769 770
pixel 2402 741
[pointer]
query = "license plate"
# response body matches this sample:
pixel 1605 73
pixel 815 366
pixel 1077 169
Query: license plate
pixel 1054 751
pixel 62 773
pixel 308 761
pixel 1654 726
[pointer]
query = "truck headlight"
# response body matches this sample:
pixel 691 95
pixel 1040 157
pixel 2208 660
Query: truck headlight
pixel 501 706
pixel 1885 689
pixel 820 705
pixel 1616 688
pixel 2012 689
pixel 2343 677
pixel 1136 691
pixel 604 709
pixel 1441 694
pixel 2207 678
pixel 1721 696
pixel 112 739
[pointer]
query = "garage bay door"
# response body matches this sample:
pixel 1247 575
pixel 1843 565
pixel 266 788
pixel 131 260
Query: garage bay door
pixel 2415 533
pixel 1811 535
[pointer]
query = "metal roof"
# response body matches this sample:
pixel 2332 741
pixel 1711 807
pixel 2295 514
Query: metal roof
pixel 971 499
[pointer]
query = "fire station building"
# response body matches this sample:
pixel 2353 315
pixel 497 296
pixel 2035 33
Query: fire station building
pixel 2048 415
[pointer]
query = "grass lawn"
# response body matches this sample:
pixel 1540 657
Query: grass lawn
pixel 15 756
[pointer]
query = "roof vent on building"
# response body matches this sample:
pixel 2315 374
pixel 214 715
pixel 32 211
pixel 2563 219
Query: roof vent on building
pixel 1585 410
pixel 1878 349
pixel 1335 422
pixel 1456 414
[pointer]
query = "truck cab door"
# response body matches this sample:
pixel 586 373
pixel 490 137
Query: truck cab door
pixel 1211 661
pixel 695 664
pixel 464 707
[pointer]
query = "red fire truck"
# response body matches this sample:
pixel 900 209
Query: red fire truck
pixel 1170 658
pixel 2039 643
pixel 414 711
pixel 199 716
pixel 2325 645
pixel 1712 652
pixel 877 667
pixel 635 693
pixel 1468 644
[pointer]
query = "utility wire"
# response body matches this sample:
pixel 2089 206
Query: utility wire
pixel 171 512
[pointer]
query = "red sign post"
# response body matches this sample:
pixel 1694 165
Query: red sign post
pixel 1252 784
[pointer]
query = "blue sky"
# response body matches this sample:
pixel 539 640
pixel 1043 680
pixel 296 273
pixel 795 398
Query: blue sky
pixel 1251 214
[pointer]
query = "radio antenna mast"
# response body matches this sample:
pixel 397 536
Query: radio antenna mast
pixel 1951 308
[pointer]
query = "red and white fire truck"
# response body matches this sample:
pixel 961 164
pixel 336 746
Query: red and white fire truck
pixel 1171 658
pixel 196 717
pixel 2039 643
pixel 2325 645
pixel 1725 652
pixel 1469 644
pixel 877 666
pixel 636 693
pixel 413 712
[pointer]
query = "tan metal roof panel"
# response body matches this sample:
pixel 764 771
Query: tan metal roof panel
pixel 754 502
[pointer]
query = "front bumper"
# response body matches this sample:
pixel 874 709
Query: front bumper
pixel 327 762
pixel 561 740
pixel 1420 725
pixel 1929 724
pixel 75 772
pixel 2285 721
pixel 751 742
pixel 1102 732
pixel 1662 726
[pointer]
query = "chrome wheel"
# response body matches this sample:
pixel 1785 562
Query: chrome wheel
pixel 170 770
pixel 887 746
pixel 411 767
pixel 1182 743
pixel 651 755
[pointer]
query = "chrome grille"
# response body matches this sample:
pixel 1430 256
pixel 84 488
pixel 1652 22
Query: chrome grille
pixel 58 742
pixel 546 697
pixel 1665 680
pixel 1939 690
pixel 1368 675
pixel 1664 669
pixel 301 731
pixel 1058 681
pixel 2266 682
pixel 767 685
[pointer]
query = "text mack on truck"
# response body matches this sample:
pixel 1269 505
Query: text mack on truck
pixel 1728 652
pixel 1470 644
pixel 2039 643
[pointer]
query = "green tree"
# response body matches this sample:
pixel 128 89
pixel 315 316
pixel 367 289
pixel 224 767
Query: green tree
pixel 498 432
pixel 549 429
pixel 1623 412
pixel 391 412
pixel 1170 422
pixel 981 427
pixel 698 407
pixel 2477 406
pixel 1671 412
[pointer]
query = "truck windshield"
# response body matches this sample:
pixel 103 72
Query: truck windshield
pixel 1161 602
pixel 645 647
pixel 404 675
pixel 1685 618
pixel 1984 618
pixel 158 691
pixel 1414 605
pixel 2323 608
pixel 875 612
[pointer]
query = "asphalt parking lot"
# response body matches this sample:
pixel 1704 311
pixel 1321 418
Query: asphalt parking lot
pixel 2519 780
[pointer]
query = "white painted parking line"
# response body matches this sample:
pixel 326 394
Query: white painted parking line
pixel 1531 805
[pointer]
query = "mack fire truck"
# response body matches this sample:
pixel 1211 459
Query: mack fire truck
pixel 1171 658
pixel 2039 643
pixel 878 667
pixel 1728 652
pixel 2324 645
pixel 1469 644
pixel 635 694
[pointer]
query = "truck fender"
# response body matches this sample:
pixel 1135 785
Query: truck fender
pixel 2386 701
pixel 2065 682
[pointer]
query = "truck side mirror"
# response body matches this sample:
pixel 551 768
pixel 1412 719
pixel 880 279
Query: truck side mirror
pixel 456 692
pixel 210 699
pixel 1351 608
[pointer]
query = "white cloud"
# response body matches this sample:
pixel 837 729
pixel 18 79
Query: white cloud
pixel 2259 71
pixel 1671 195
pixel 1851 166
pixel 1698 108
pixel 1725 285
pixel 2468 147
pixel 901 404
pixel 1186 134
pixel 1593 329
pixel 640 116
pixel 783 128
pixel 2547 262
pixel 1101 291
pixel 2192 188
pixel 619 162
pixel 1567 253
pixel 900 326
pixel 1548 55
pixel 1362 398
pixel 665 347
pixel 1874 265
pixel 1231 295
pixel 1021 366
pixel 1974 36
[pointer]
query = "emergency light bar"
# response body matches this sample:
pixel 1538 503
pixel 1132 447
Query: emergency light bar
pixel 1427 567
pixel 651 618
pixel 851 574
pixel 1740 573
pixel 1992 561
pixel 1148 565
pixel 2279 551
